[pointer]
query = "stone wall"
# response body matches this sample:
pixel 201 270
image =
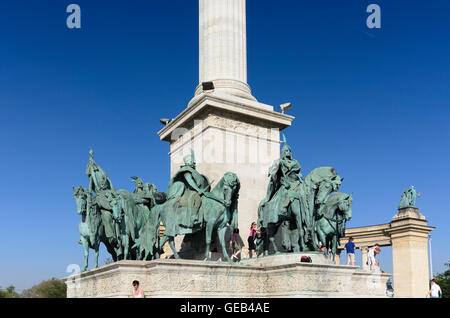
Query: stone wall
pixel 187 278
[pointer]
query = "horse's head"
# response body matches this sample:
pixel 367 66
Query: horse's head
pixel 157 197
pixel 323 180
pixel 80 195
pixel 345 207
pixel 114 201
pixel 230 185
pixel 327 186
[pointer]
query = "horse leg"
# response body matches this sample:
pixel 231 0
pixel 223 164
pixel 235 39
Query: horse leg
pixel 110 250
pixel 315 241
pixel 334 248
pixel 85 244
pixel 208 234
pixel 126 245
pixel 162 241
pixel 96 248
pixel 172 247
pixel 294 242
pixel 295 208
pixel 133 251
pixel 221 234
pixel 321 235
pixel 272 231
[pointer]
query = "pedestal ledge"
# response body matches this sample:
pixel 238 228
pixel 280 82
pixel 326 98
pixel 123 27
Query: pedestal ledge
pixel 408 212
pixel 272 277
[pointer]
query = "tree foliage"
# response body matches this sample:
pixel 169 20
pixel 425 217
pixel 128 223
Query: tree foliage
pixel 52 288
pixel 443 280
pixel 9 292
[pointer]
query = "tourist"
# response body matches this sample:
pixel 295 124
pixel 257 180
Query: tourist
pixel 376 267
pixel 371 261
pixel 236 247
pixel 137 291
pixel 251 239
pixel 350 249
pixel 435 290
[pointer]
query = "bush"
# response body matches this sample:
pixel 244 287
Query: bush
pixel 9 292
pixel 52 288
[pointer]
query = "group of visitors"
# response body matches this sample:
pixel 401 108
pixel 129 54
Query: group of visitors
pixel 372 262
pixel 237 246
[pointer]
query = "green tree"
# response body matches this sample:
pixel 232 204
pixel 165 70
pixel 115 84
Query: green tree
pixel 443 280
pixel 9 292
pixel 52 288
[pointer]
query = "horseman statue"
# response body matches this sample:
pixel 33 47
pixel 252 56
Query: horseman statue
pixel 146 197
pixel 125 222
pixel 283 201
pixel 101 185
pixel 309 211
pixel 294 204
pixel 191 207
pixel 184 195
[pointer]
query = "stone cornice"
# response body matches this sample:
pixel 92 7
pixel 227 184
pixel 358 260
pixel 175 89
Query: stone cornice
pixel 230 104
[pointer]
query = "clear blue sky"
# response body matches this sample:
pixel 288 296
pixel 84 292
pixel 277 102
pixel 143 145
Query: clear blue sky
pixel 374 104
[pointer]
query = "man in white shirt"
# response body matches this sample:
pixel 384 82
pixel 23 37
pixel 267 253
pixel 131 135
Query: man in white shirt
pixel 435 290
pixel 371 261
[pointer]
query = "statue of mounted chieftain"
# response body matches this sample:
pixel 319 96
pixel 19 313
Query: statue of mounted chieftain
pixel 128 224
pixel 310 218
pixel 192 206
pixel 124 222
pixel 309 211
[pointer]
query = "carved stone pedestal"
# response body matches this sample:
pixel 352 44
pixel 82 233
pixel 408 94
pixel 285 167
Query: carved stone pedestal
pixel 272 276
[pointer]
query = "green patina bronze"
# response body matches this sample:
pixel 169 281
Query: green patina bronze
pixel 92 231
pixel 295 204
pixel 128 224
pixel 330 226
pixel 408 199
pixel 309 214
pixel 190 207
pixel 124 222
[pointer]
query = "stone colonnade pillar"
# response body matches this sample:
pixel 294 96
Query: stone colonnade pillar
pixel 409 235
pixel 364 252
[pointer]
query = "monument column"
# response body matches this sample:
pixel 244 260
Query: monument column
pixel 223 46
pixel 229 130
pixel 409 236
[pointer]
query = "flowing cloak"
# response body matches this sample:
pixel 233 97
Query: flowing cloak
pixel 181 209
pixel 283 172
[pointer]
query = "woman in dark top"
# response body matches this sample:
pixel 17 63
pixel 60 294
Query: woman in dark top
pixel 251 239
